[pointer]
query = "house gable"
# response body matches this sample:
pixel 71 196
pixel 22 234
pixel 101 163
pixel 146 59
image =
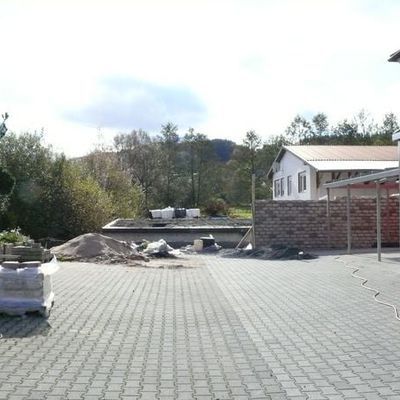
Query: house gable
pixel 318 164
pixel 293 178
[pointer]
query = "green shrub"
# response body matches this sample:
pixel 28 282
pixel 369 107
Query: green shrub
pixel 216 206
pixel 12 236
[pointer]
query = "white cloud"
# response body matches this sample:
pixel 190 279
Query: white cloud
pixel 254 64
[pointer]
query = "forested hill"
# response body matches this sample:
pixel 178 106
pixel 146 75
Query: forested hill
pixel 61 198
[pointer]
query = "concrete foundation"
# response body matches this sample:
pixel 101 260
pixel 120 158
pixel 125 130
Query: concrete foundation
pixel 177 236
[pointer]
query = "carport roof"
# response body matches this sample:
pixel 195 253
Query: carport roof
pixel 384 176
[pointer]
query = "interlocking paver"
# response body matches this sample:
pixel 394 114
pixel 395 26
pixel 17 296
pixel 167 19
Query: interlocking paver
pixel 315 314
pixel 226 329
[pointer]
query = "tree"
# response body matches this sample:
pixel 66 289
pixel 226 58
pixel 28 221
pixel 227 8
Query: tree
pixel 385 131
pixel 199 150
pixel 3 127
pixel 7 183
pixel 75 202
pixel 138 155
pixel 223 149
pixel 320 124
pixel 346 132
pixel 299 129
pixel 252 143
pixel 29 162
pixel 169 140
pixel 126 196
pixel 242 165
pixel 53 197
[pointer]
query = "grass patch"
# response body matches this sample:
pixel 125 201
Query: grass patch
pixel 240 212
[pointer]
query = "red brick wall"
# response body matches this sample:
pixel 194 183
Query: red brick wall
pixel 305 223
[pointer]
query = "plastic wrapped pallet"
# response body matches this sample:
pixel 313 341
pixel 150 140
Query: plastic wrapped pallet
pixel 156 214
pixel 167 213
pixel 27 288
pixel 193 212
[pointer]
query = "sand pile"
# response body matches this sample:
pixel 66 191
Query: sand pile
pixel 93 247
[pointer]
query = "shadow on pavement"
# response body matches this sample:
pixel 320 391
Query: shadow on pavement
pixel 23 326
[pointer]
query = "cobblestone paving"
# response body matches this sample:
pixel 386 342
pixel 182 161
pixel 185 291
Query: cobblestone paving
pixel 322 335
pixel 230 329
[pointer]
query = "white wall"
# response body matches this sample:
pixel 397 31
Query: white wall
pixel 291 165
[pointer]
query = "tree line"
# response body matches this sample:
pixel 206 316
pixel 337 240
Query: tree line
pixel 57 197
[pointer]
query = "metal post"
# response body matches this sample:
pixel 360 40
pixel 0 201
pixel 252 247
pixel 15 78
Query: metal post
pixel 328 215
pixel 348 221
pixel 253 208
pixel 386 233
pixel 378 221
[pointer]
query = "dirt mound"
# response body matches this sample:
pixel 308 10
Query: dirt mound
pixel 94 247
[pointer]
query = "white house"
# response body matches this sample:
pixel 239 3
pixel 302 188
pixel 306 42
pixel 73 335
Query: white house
pixel 299 172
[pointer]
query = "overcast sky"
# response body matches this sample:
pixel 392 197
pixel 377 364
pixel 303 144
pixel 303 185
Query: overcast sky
pixel 83 68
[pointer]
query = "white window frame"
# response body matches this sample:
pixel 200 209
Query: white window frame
pixel 277 187
pixel 302 181
pixel 289 185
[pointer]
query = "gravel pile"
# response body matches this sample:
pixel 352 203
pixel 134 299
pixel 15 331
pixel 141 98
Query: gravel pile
pixel 94 247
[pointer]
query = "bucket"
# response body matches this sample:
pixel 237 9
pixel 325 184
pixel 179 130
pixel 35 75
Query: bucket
pixel 198 245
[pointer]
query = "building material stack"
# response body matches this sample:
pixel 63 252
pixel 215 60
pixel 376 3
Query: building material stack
pixel 25 279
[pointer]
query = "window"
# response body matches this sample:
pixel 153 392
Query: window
pixel 289 185
pixel 277 189
pixel 302 182
pixel 282 185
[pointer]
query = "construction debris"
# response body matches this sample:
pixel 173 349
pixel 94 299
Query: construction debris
pixel 97 248
pixel 276 253
pixel 205 244
pixel 159 249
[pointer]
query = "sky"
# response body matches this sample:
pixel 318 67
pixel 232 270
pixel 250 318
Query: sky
pixel 84 71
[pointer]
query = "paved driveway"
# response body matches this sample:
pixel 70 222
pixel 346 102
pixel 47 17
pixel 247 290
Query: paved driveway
pixel 224 329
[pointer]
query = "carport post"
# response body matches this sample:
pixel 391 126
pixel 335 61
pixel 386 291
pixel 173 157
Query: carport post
pixel 378 220
pixel 328 215
pixel 348 221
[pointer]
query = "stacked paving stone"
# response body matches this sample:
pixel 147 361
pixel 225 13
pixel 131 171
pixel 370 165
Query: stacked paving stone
pixel 305 223
pixel 24 285
pixel 25 252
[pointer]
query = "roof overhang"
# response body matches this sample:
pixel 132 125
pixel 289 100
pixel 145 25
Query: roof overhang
pixel 368 166
pixel 395 57
pixel 281 152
